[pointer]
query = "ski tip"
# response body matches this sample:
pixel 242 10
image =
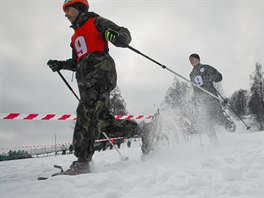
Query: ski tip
pixel 42 178
pixel 59 167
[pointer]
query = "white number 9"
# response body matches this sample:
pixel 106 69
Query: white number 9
pixel 198 81
pixel 80 46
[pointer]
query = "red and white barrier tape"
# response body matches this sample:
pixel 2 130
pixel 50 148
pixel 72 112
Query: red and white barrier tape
pixel 35 116
pixel 49 145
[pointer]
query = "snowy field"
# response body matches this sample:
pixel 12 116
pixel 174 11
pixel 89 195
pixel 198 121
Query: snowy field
pixel 232 170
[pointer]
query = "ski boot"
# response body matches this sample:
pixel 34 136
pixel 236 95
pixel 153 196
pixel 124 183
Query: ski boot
pixel 76 168
pixel 144 156
pixel 230 126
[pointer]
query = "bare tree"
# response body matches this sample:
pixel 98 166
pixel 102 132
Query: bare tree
pixel 117 103
pixel 256 102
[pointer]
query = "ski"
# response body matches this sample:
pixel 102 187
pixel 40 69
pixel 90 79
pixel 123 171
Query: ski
pixel 42 178
pixel 53 175
pixel 58 173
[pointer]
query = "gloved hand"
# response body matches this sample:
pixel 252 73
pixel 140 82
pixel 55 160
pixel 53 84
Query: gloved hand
pixel 54 65
pixel 111 35
pixel 119 40
pixel 225 102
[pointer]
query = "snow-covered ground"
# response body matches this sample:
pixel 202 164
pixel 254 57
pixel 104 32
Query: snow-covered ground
pixel 233 169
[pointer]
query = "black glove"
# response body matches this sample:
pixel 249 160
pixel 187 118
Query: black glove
pixel 225 102
pixel 54 65
pixel 111 35
pixel 119 40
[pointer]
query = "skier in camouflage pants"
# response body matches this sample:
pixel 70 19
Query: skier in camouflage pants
pixel 96 76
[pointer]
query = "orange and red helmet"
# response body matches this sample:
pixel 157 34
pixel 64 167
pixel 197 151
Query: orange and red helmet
pixel 71 2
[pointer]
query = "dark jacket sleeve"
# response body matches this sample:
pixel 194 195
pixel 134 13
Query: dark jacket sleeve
pixel 70 64
pixel 213 74
pixel 103 25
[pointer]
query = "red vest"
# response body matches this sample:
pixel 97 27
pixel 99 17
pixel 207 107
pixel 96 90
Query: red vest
pixel 87 39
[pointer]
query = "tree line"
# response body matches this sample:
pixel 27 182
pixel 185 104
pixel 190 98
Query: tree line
pixel 12 155
pixel 251 101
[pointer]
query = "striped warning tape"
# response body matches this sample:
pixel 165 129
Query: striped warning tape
pixel 36 116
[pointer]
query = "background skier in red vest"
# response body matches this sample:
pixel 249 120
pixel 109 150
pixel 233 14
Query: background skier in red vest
pixel 95 73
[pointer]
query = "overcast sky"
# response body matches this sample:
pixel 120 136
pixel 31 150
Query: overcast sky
pixel 226 34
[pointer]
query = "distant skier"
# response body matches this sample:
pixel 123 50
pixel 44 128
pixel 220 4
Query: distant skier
pixel 128 143
pixel 64 149
pixel 70 149
pixel 95 73
pixel 208 109
pixel 118 142
pixel 113 142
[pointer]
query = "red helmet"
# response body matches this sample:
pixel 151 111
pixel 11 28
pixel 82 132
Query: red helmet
pixel 71 2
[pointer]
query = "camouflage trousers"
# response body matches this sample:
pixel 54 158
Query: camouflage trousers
pixel 92 117
pixel 96 78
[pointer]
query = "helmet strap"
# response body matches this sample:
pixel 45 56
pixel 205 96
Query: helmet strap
pixel 77 18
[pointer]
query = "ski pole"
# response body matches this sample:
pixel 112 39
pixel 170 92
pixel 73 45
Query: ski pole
pixel 123 158
pixel 65 81
pixel 230 106
pixel 165 67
